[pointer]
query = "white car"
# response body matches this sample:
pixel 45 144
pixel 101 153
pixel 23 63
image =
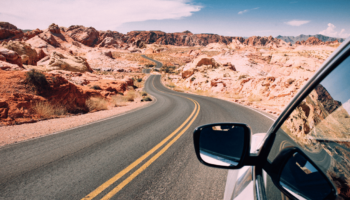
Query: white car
pixel 306 152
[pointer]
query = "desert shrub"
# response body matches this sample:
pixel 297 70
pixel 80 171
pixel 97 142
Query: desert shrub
pixel 146 99
pixel 96 104
pixel 46 110
pixel 242 76
pixel 139 80
pixel 119 100
pixel 144 94
pixel 227 75
pixel 37 79
pixel 193 78
pixel 96 87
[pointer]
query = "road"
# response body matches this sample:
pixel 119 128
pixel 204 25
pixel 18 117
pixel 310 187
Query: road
pixel 158 65
pixel 124 157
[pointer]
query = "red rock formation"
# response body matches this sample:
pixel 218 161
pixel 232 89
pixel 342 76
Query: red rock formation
pixel 185 38
pixel 9 31
pixel 18 96
pixel 31 34
pixel 261 41
pixel 310 41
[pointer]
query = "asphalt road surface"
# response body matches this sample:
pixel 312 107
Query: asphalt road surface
pixel 145 154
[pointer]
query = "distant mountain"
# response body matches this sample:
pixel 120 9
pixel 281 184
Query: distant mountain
pixel 26 30
pixel 293 39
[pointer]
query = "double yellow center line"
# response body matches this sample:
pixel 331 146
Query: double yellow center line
pixel 175 135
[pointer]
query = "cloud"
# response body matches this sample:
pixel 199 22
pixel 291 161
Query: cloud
pixel 297 22
pixel 101 14
pixel 244 11
pixel 330 31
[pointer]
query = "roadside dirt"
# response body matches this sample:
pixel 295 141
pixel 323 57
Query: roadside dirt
pixel 19 133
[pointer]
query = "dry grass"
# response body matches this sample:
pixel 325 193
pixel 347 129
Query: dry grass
pixel 204 93
pixel 96 104
pixel 132 95
pixel 254 98
pixel 119 100
pixel 46 110
pixel 211 53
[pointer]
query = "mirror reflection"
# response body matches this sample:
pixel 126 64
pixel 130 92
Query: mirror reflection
pixel 222 145
pixel 301 179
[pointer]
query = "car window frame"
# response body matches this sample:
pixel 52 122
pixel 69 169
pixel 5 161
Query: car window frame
pixel 337 57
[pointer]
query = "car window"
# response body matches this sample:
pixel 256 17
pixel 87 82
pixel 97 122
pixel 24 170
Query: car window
pixel 320 126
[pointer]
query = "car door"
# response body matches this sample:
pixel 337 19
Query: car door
pixel 317 122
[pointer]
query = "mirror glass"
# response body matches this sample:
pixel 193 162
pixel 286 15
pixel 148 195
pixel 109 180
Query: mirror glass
pixel 222 145
pixel 302 180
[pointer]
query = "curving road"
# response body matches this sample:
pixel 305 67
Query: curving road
pixel 158 65
pixel 144 154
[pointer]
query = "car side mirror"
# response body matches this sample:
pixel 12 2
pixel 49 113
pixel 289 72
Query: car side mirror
pixel 299 178
pixel 223 145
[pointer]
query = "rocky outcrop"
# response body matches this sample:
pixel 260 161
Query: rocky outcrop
pixel 58 61
pixel 185 38
pixel 263 41
pixel 311 41
pixel 8 66
pixel 109 42
pixel 18 96
pixel 88 36
pixel 24 50
pixel 111 87
pixel 10 56
pixel 202 61
pixel 30 34
pixel 9 31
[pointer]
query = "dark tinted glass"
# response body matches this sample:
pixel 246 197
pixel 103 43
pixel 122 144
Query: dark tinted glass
pixel 222 145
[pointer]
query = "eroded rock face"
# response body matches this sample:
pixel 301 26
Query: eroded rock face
pixel 58 61
pixel 24 50
pixel 9 31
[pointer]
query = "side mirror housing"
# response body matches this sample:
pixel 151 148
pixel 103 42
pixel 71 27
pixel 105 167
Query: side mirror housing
pixel 223 145
pixel 298 177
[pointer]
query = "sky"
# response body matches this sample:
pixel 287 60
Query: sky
pixel 224 17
